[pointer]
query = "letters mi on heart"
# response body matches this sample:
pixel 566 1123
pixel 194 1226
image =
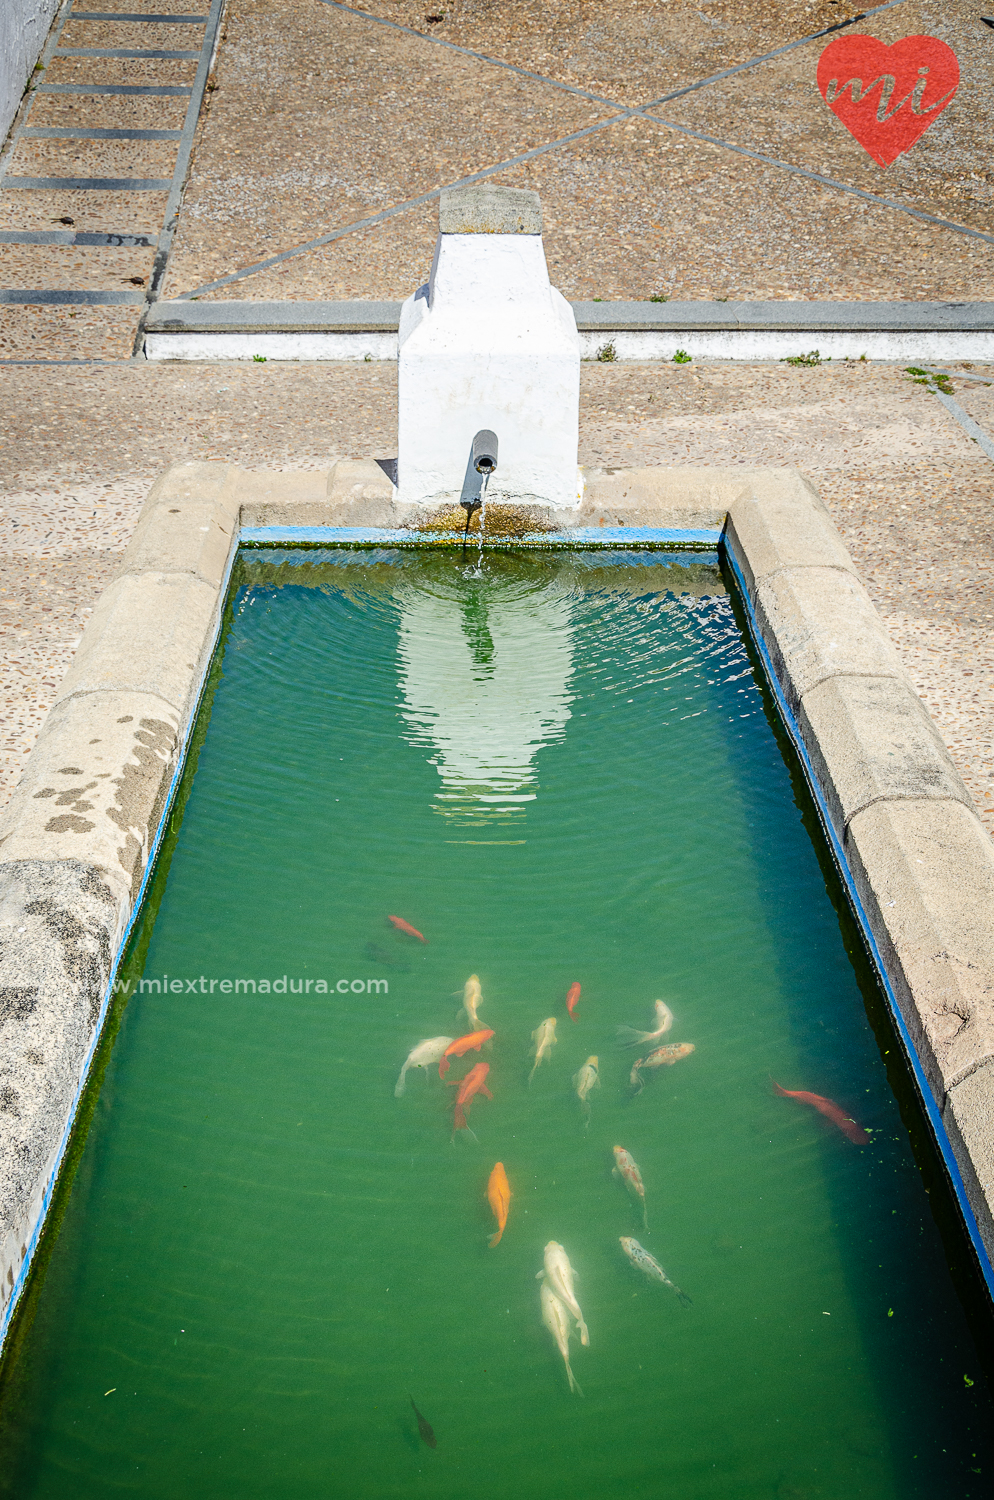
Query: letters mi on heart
pixel 887 96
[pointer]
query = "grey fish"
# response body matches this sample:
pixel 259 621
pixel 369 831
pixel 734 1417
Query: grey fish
pixel 425 1428
pixel 641 1258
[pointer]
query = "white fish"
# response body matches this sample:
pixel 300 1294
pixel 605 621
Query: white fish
pixel 422 1056
pixel 558 1272
pixel 583 1081
pixel 472 999
pixel 544 1037
pixel 556 1319
pixel 640 1257
pixel 629 1037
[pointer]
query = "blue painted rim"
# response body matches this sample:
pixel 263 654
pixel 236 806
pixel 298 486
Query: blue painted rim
pixel 927 1098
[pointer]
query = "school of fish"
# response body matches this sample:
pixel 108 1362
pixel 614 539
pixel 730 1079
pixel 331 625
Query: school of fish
pixel 560 1310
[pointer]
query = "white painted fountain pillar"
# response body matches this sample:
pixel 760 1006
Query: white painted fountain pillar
pixel 488 343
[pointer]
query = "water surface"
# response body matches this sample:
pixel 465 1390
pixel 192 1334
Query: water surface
pixel 558 770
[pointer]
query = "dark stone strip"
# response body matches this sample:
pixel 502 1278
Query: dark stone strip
pixel 95 184
pixel 118 52
pixel 145 241
pixel 113 88
pixel 56 133
pixel 62 298
pixel 120 15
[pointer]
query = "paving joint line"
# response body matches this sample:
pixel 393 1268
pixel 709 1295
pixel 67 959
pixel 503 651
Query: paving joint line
pixel 120 15
pixel 82 237
pixel 60 133
pixel 120 52
pixel 212 30
pixel 114 88
pixel 86 184
pixel 972 429
pixel 624 113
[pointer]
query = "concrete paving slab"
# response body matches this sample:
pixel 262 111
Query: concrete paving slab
pixel 74 266
pixel 45 158
pixel 67 333
pixel 637 209
pixel 145 35
pixel 108 111
pixel 85 210
pixel 633 52
pixel 777 109
pixel 131 71
pixel 315 127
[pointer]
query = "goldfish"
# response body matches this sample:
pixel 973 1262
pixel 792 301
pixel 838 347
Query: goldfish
pixel 846 1123
pixel 663 1057
pixel 556 1319
pixel 462 1044
pixel 559 1275
pixel 425 1428
pixel 499 1198
pixel 472 997
pixel 572 997
pixel 474 1083
pixel 583 1081
pixel 422 1056
pixel 640 1257
pixel 629 1037
pixel 626 1168
pixel 544 1037
pixel 403 926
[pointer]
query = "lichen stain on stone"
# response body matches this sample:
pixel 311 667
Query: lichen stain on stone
pixel 10 1101
pixel 141 791
pixel 69 823
pixel 70 771
pixel 88 969
pixel 70 797
pixel 16 1004
pixel 92 885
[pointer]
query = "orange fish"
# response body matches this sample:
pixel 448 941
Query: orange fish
pixel 846 1123
pixel 403 926
pixel 499 1197
pixel 462 1044
pixel 474 1083
pixel 571 999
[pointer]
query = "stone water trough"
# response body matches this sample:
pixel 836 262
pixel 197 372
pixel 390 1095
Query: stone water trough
pixel 79 836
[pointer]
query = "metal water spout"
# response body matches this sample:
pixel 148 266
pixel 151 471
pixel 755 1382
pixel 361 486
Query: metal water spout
pixel 485 452
pixel 484 460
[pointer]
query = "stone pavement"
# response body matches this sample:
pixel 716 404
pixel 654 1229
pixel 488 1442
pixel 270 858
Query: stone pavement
pixel 318 118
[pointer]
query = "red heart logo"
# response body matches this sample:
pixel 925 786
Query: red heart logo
pixel 887 96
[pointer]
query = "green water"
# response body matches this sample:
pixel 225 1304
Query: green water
pixel 561 770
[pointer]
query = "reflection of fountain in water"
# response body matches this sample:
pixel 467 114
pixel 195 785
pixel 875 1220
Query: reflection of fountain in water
pixel 485 686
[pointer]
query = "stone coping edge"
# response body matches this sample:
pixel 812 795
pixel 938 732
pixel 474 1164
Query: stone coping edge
pixel 79 837
pixel 596 317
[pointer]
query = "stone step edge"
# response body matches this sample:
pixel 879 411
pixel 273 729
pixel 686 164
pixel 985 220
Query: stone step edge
pixel 178 317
